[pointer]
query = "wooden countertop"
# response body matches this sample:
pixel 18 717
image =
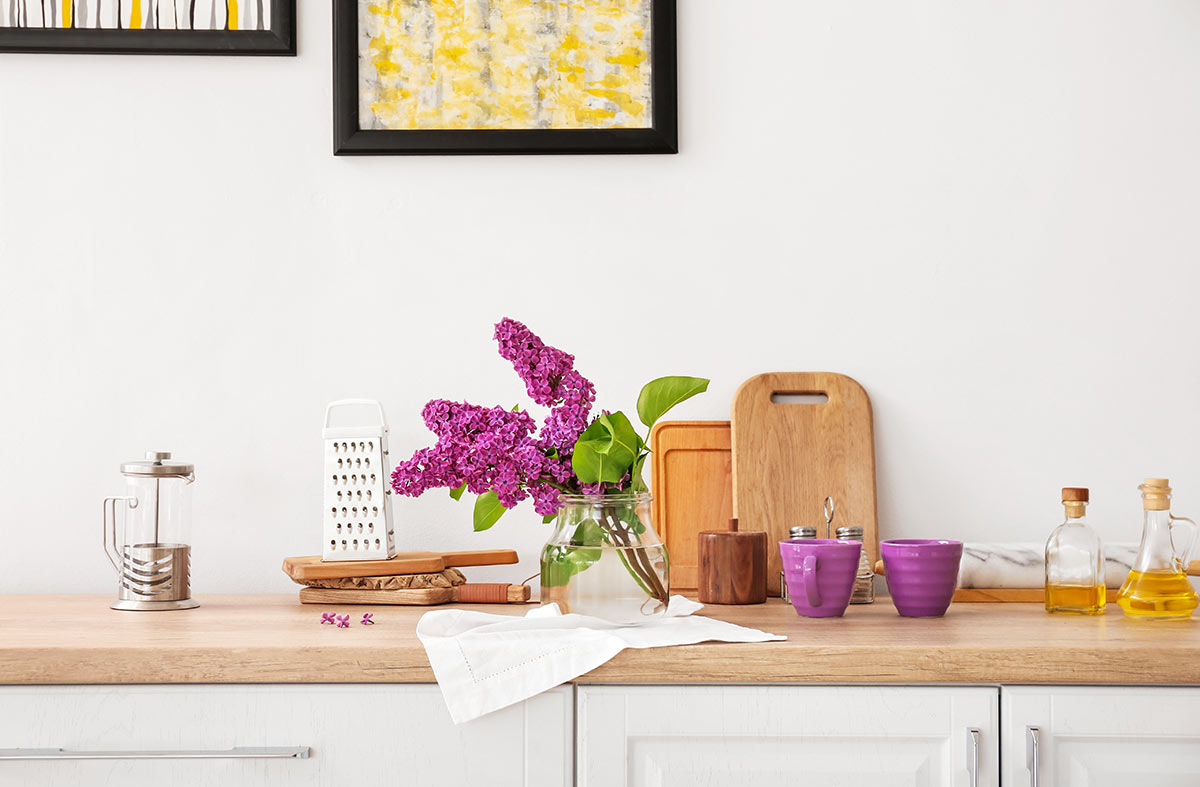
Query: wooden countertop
pixel 273 639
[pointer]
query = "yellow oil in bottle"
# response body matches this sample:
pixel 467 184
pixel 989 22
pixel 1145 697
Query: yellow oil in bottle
pixel 1158 595
pixel 1082 599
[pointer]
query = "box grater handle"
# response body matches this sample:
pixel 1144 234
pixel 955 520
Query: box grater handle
pixel 344 402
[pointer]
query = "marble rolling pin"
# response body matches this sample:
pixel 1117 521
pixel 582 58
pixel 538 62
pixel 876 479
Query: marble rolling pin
pixel 1023 565
pixel 1015 571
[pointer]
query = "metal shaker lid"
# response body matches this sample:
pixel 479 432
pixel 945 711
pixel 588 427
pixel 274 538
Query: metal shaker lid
pixel 851 532
pixel 803 531
pixel 157 463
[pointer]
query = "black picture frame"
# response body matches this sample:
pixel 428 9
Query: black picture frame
pixel 351 140
pixel 279 41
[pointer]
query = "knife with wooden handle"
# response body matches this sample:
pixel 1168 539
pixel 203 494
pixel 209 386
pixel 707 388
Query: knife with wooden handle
pixel 302 568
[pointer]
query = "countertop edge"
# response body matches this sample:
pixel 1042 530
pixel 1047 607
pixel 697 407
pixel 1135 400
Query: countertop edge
pixel 694 664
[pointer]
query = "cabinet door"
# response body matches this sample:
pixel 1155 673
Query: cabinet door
pixel 1096 736
pixel 369 735
pixel 771 735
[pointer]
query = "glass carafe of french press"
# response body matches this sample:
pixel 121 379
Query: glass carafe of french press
pixel 152 555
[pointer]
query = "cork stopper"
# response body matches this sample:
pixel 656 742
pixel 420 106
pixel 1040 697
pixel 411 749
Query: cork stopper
pixel 1075 500
pixel 1156 494
pixel 1075 494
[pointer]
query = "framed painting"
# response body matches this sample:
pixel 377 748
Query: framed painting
pixel 181 27
pixel 425 77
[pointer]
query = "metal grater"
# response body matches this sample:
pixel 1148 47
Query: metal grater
pixel 358 503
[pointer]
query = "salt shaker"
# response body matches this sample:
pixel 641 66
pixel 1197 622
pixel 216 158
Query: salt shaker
pixel 796 533
pixel 864 582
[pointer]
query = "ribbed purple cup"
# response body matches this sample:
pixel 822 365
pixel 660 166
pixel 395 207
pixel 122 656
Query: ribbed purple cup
pixel 820 575
pixel 921 574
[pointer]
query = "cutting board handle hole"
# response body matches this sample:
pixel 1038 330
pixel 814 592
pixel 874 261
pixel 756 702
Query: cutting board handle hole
pixel 799 398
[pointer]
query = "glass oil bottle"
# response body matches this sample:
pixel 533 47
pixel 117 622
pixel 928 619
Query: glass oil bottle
pixel 1075 561
pixel 1158 588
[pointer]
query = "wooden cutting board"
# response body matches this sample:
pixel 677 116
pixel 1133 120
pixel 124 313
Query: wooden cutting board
pixel 302 568
pixel 691 474
pixel 788 457
pixel 467 594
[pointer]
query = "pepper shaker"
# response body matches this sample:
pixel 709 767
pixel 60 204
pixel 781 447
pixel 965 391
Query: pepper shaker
pixel 864 582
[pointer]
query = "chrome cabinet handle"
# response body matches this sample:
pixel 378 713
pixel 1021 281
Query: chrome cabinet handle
pixel 973 757
pixel 1032 740
pixel 236 753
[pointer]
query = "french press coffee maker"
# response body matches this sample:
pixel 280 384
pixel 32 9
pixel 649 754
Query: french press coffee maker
pixel 153 560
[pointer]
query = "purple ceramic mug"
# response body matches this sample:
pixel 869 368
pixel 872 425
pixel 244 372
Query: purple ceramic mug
pixel 820 574
pixel 921 574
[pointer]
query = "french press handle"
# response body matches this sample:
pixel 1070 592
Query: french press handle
pixel 110 504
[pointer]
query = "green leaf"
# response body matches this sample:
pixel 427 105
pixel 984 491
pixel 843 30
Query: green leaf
pixel 487 510
pixel 561 562
pixel 556 567
pixel 589 534
pixel 659 396
pixel 606 450
pixel 549 518
pixel 637 482
pixel 458 493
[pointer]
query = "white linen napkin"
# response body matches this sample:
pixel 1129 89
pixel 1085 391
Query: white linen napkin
pixel 484 662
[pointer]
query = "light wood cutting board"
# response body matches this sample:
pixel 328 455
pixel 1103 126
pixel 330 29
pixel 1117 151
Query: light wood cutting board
pixel 691 475
pixel 302 568
pixel 787 457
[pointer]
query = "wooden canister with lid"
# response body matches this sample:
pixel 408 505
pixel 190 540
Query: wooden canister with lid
pixel 732 566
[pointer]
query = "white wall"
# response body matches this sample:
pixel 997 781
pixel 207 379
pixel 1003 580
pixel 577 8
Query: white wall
pixel 985 212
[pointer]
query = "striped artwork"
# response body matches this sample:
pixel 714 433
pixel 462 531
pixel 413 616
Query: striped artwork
pixel 137 14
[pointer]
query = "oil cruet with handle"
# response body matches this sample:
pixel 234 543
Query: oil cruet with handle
pixel 151 554
pixel 1158 588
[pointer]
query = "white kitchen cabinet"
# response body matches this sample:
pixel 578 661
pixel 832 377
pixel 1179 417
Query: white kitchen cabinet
pixel 1099 736
pixel 663 736
pixel 370 735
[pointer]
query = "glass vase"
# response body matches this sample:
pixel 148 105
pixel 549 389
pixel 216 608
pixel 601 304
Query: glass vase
pixel 605 559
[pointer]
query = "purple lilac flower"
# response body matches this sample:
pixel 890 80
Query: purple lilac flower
pixel 496 449
pixel 551 380
pixel 545 499
pixel 484 448
pixel 604 486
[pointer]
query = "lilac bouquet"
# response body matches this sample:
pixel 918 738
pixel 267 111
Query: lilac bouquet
pixel 503 457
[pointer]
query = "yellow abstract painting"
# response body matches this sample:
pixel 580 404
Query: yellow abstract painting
pixel 504 64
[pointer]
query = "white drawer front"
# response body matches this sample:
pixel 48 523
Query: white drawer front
pixel 817 736
pixel 357 734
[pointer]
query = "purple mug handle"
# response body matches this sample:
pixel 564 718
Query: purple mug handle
pixel 810 581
